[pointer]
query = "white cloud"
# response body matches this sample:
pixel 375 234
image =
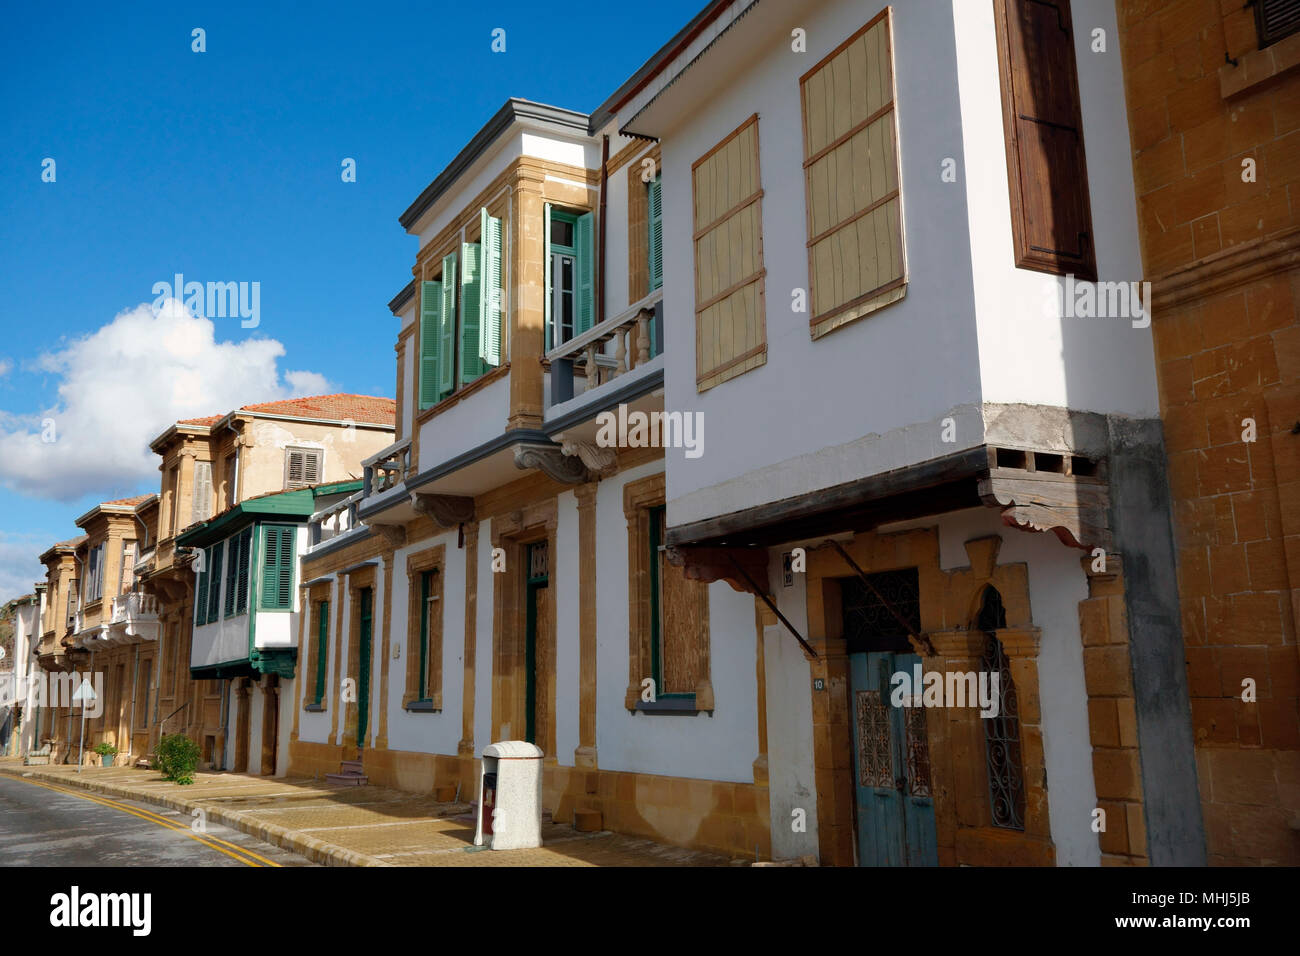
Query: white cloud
pixel 19 569
pixel 121 386
pixel 6 366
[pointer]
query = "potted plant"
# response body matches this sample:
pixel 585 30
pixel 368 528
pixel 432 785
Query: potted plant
pixel 107 751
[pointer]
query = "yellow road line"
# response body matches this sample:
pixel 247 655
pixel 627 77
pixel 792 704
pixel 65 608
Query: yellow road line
pixel 247 857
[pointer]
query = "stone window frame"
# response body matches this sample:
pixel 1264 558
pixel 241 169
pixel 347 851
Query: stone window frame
pixel 639 497
pixel 429 559
pixel 316 595
pixel 358 580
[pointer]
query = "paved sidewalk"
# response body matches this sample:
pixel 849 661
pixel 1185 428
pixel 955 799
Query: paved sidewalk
pixel 361 826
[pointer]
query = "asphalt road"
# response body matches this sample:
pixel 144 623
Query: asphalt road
pixel 45 825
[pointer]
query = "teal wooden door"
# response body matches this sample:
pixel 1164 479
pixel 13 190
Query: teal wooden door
pixel 366 615
pixel 891 767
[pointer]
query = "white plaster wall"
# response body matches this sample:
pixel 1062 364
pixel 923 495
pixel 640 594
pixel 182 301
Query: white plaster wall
pixel 274 629
pixel 564 591
pixel 315 727
pixel 226 640
pixel 503 152
pixel 1056 586
pixel 721 747
pixel 1027 351
pixel 465 425
pixel 428 733
pixel 792 780
pixel 901 370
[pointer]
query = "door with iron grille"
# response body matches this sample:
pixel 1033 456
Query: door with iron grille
pixel 891 752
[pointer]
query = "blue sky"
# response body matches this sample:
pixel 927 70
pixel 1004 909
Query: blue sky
pixel 225 166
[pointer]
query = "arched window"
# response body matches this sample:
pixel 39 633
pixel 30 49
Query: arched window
pixel 1001 733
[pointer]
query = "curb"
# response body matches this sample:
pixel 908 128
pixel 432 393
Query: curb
pixel 318 851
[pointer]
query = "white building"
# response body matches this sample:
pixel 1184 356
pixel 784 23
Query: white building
pixel 914 353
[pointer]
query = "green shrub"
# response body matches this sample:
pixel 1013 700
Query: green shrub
pixel 178 758
pixel 105 749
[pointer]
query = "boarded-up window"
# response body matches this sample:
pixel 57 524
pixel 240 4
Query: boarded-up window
pixel 856 259
pixel 1051 219
pixel 730 331
pixel 679 619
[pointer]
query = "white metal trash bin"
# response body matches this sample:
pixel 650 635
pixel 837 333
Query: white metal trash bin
pixel 510 796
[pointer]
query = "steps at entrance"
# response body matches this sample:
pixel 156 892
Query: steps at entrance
pixel 349 775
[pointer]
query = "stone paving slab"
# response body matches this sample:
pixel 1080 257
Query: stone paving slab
pixel 361 826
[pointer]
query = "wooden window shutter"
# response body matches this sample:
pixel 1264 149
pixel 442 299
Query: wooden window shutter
pixel 489 346
pixel 447 333
pixel 128 566
pixel 294 457
pixel 311 465
pixel 638 218
pixel 655 237
pixel 1275 19
pixel 201 507
pixel 214 583
pixel 856 255
pixel 585 246
pixel 241 585
pixel 730 328
pixel 277 568
pixel 201 589
pixel 1051 217
pixel 232 576
pixel 471 306
pixel 548 340
pixel 322 645
pixel 430 341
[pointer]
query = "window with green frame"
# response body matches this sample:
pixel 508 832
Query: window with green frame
pixel 570 275
pixel 237 573
pixel 427 596
pixel 278 552
pixel 218 552
pixel 322 648
pixel 201 587
pixel 460 316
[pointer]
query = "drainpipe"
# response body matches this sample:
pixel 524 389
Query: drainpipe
pixel 600 242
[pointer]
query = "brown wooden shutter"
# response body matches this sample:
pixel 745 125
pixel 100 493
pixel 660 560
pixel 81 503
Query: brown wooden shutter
pixel 1050 214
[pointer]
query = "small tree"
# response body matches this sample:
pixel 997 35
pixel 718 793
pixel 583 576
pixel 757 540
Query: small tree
pixel 178 758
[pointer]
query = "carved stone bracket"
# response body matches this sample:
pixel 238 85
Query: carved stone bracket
pixel 553 462
pixel 599 460
pixel 1075 509
pixel 394 535
pixel 446 510
pixel 715 564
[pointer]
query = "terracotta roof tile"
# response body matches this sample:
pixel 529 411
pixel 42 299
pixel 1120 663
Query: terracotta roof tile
pixel 129 502
pixel 369 409
pixel 206 420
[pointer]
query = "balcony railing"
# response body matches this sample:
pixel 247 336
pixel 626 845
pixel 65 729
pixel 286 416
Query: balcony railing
pixel 637 335
pixel 135 607
pixel 335 520
pixel 388 468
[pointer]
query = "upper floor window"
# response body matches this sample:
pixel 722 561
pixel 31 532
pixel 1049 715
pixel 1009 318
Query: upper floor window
pixel 237 573
pixel 730 328
pixel 279 551
pixel 95 573
pixel 1275 19
pixel 303 467
pixel 1051 218
pixel 856 261
pixel 231 478
pixel 201 503
pixel 645 255
pixel 655 229
pixel 460 315
pixel 570 275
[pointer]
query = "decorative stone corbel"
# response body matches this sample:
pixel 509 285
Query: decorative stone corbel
pixel 446 510
pixel 394 535
pixel 598 459
pixel 553 462
pixel 1074 509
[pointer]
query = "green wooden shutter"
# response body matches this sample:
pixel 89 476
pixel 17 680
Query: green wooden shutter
pixel 471 311
pixel 655 245
pixel 232 574
pixel 214 587
pixel 241 586
pixel 430 340
pixel 277 568
pixel 322 644
pixel 490 290
pixel 548 340
pixel 424 633
pixel 447 336
pixel 585 247
pixel 201 590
